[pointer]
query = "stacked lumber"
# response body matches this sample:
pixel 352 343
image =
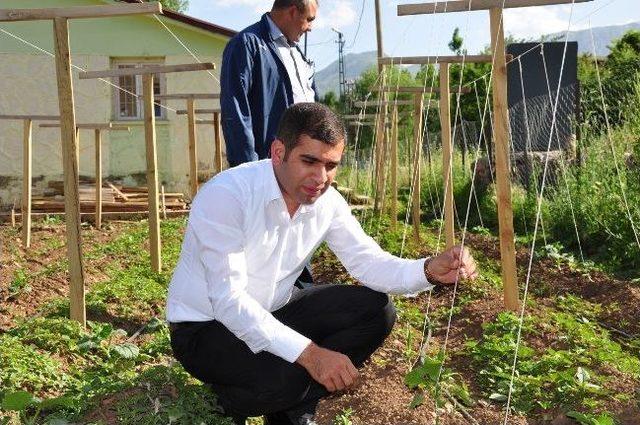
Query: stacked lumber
pixel 115 198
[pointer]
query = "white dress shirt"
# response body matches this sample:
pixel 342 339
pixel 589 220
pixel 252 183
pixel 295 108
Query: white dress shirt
pixel 242 253
pixel 299 70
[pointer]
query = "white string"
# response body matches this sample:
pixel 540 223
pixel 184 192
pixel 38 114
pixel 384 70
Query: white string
pixel 535 230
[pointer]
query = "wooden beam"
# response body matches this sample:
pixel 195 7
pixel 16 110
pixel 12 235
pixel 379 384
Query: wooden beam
pixel 27 134
pixel 87 126
pixel 503 178
pixel 70 169
pixel 193 148
pixel 197 111
pixel 10 15
pixel 184 96
pixel 469 5
pixel 447 155
pixel 375 103
pixel 158 69
pixel 31 117
pixel 415 183
pixel 432 60
pixel 412 89
pixel 152 171
pixel 205 122
pixel 217 132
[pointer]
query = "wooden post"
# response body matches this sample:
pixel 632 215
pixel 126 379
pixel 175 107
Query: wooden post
pixel 503 180
pixel 380 162
pixel 164 203
pixel 218 141
pixel 70 168
pixel 98 165
pixel 13 214
pixel 379 34
pixel 193 153
pixel 447 154
pixel 415 183
pixel 27 134
pixel 152 171
pixel 394 167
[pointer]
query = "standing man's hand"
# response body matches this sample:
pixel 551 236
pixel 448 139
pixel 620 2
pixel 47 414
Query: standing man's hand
pixel 453 264
pixel 332 369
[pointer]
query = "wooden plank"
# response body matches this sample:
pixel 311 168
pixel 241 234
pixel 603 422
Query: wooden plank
pixel 84 126
pixel 470 5
pixel 376 103
pixel 152 171
pixel 197 111
pixel 164 203
pixel 394 167
pixel 157 69
pixel 447 154
pixel 117 191
pixel 98 164
pixel 412 89
pixel 184 96
pixel 193 148
pixel 203 122
pixel 217 132
pixel 31 117
pixel 70 169
pixel 27 134
pixel 430 60
pixel 503 178
pixel 11 15
pixel 417 154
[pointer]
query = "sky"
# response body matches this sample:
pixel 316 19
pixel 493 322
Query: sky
pixel 418 35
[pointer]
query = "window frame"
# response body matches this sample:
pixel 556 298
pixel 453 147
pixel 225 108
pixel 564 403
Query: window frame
pixel 116 63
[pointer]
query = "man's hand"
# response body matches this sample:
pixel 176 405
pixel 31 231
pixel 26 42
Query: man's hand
pixel 332 369
pixel 455 263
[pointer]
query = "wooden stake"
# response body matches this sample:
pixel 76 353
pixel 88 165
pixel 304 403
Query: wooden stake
pixel 27 134
pixel 447 154
pixel 394 167
pixel 98 152
pixel 503 181
pixel 193 153
pixel 70 168
pixel 379 33
pixel 218 141
pixel 152 171
pixel 164 204
pixel 13 214
pixel 379 162
pixel 415 184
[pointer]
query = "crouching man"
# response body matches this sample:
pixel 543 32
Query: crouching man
pixel 236 320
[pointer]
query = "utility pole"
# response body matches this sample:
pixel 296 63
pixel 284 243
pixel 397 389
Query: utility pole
pixel 341 76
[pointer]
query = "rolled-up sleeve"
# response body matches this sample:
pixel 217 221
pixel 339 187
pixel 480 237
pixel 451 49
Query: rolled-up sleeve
pixel 366 261
pixel 220 241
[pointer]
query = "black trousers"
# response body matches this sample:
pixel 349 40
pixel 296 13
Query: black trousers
pixel 352 320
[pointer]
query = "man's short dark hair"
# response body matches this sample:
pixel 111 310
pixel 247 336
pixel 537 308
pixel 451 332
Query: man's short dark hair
pixel 300 4
pixel 313 119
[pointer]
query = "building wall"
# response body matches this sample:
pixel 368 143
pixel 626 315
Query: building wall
pixel 28 86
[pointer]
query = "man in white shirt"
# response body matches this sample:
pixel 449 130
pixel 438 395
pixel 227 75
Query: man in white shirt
pixel 236 321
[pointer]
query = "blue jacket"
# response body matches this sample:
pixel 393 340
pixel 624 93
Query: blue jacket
pixel 255 91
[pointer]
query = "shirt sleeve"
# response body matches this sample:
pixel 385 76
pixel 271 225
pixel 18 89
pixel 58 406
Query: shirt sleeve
pixel 236 77
pixel 366 261
pixel 220 240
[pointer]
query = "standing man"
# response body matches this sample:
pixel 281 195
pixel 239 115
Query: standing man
pixel 236 321
pixel 263 73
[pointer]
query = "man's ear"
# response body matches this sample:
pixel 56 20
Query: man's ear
pixel 278 151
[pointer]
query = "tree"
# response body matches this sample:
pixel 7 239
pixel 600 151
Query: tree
pixel 455 45
pixel 175 5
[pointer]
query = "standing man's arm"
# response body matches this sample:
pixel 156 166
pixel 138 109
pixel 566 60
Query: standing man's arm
pixel 236 80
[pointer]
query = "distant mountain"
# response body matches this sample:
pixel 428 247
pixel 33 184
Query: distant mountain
pixel 357 63
pixel 602 37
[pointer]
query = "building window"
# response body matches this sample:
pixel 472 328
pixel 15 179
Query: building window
pixel 128 94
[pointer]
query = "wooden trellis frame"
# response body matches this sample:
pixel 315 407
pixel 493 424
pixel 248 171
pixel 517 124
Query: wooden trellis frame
pixel 150 138
pixel 60 18
pixel 27 170
pixel 191 113
pixel 500 116
pixel 97 128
